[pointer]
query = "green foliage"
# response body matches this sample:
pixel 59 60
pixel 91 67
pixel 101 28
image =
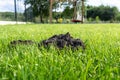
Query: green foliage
pixel 9 16
pixel 29 14
pixel 39 8
pixel 68 13
pixel 90 19
pixel 100 60
pixel 118 17
pixel 97 19
pixel 105 13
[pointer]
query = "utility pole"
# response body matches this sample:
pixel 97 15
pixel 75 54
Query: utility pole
pixel 82 11
pixel 25 12
pixel 15 10
pixel 50 11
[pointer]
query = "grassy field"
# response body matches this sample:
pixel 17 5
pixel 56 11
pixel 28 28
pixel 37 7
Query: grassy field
pixel 100 60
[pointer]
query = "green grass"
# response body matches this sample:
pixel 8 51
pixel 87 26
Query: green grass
pixel 100 60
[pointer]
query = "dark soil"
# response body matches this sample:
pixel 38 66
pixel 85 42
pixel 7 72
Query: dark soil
pixel 61 41
pixel 21 42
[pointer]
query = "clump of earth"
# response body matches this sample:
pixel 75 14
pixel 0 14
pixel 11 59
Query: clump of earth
pixel 60 41
pixel 21 42
pixel 63 40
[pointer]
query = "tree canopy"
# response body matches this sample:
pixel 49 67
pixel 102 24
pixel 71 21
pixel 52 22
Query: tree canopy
pixel 105 13
pixel 39 7
pixel 42 9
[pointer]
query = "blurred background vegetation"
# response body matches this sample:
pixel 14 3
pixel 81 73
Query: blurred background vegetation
pixel 38 12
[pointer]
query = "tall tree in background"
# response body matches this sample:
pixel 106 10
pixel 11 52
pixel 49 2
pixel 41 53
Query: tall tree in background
pixel 39 7
pixel 44 7
pixel 69 1
pixel 50 10
pixel 68 12
pixel 51 7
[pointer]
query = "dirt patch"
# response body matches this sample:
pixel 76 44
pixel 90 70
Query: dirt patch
pixel 21 42
pixel 61 41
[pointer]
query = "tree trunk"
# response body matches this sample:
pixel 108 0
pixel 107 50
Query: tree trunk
pixel 50 11
pixel 41 18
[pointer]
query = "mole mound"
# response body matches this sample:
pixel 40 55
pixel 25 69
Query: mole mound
pixel 21 42
pixel 61 41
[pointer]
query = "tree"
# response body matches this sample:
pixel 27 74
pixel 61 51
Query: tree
pixel 42 7
pixel 73 2
pixel 28 13
pixel 39 7
pixel 68 12
pixel 50 10
pixel 51 7
pixel 118 17
pixel 105 13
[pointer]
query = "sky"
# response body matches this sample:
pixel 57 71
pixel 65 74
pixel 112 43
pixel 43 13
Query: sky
pixel 8 5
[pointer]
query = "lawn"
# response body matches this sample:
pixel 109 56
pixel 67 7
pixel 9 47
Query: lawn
pixel 99 61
